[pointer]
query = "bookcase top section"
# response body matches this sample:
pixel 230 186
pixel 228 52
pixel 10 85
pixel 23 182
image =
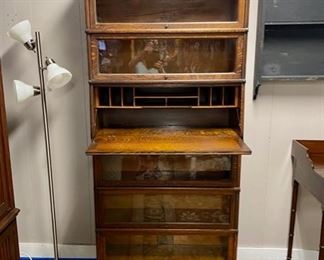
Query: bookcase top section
pixel 166 15
pixel 168 140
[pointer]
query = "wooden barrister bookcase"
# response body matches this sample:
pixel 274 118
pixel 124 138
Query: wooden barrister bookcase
pixel 167 105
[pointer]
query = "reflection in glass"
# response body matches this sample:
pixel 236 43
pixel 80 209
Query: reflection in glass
pixel 154 56
pixel 146 207
pixel 164 168
pixel 161 247
pixel 154 11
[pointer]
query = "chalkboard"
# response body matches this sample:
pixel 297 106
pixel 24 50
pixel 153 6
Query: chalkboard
pixel 294 11
pixel 290 41
pixel 293 51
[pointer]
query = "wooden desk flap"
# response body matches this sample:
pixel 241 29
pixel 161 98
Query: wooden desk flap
pixel 309 166
pixel 315 152
pixel 167 140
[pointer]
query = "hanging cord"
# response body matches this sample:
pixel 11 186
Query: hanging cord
pixel 25 254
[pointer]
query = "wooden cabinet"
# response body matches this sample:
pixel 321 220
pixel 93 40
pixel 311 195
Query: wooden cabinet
pixel 110 15
pixel 8 212
pixel 167 86
pixel 165 171
pixel 153 56
pixel 9 243
pixel 132 244
pixel 167 208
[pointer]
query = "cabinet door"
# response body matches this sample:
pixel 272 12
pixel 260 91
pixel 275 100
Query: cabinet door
pixel 165 245
pixel 143 57
pixel 111 15
pixel 6 194
pixel 165 208
pixel 166 171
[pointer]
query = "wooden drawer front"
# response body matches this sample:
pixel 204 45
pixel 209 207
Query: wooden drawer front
pixel 163 170
pixel 166 244
pixel 166 14
pixel 175 57
pixel 176 208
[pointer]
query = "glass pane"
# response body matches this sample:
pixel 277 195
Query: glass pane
pixel 155 11
pixel 162 247
pixel 148 207
pixel 155 56
pixel 164 168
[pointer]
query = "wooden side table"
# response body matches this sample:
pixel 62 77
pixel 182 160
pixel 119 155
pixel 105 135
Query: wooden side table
pixel 308 171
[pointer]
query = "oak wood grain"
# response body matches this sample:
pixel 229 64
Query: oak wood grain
pixel 9 243
pixel 167 23
pixel 167 140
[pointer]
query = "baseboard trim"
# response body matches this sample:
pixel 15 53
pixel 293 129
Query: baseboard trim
pixel 248 253
pixel 81 252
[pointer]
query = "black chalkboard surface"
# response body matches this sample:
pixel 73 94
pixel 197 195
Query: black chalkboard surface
pixel 290 41
pixel 294 11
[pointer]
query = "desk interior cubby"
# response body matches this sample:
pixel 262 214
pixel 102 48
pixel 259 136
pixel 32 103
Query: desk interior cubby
pixel 163 105
pixel 167 97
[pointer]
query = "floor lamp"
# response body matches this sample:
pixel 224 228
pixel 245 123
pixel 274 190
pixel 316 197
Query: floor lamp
pixel 56 77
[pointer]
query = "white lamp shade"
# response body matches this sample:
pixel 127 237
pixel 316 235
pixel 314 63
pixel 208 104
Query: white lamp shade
pixel 57 76
pixel 21 32
pixel 23 90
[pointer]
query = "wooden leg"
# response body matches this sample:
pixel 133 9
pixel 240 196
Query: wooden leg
pixel 292 220
pixel 321 251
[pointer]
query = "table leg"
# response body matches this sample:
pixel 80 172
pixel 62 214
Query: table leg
pixel 292 220
pixel 321 251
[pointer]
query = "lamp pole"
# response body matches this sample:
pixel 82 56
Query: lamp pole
pixel 41 69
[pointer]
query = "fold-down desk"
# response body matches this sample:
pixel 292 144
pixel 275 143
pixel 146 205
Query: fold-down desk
pixel 308 171
pixel 168 140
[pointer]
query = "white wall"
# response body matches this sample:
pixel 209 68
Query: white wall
pixel 62 25
pixel 283 111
